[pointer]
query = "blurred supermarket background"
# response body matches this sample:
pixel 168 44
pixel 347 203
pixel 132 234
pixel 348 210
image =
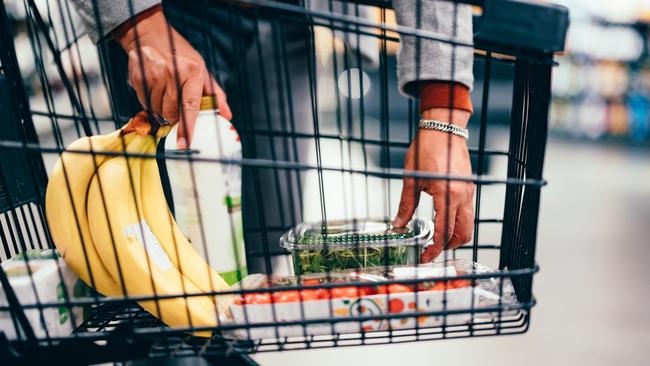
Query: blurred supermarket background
pixel 600 90
pixel 594 234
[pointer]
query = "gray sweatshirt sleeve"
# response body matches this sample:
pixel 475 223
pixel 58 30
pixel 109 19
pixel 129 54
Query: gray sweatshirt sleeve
pixel 100 17
pixel 435 57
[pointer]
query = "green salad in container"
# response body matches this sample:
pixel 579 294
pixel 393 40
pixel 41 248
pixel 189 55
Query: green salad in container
pixel 348 244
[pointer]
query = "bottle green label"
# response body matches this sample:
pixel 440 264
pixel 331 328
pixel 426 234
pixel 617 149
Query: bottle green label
pixel 240 270
pixel 232 202
pixel 232 277
pixel 63 311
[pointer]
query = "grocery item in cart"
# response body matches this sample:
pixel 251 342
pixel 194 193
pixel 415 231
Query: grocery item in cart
pixel 347 244
pixel 207 196
pixel 385 299
pixel 42 276
pixel 107 214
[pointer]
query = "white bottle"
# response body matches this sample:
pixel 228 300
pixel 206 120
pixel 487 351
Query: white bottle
pixel 208 207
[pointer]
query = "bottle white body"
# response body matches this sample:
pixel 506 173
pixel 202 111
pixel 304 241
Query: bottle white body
pixel 207 194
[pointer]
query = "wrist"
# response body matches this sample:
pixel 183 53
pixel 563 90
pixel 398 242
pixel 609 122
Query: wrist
pixel 138 26
pixel 458 117
pixel 440 138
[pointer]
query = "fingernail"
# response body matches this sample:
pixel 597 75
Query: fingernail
pixel 396 221
pixel 181 143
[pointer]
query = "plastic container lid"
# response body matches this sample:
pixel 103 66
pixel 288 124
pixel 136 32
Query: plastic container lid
pixel 345 234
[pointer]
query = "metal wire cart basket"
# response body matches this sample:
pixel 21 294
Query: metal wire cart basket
pixel 324 131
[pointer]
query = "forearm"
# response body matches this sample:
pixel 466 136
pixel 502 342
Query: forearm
pixel 439 73
pixel 142 25
pixel 101 17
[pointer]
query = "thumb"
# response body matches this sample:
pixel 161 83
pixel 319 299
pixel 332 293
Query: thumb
pixel 211 87
pixel 408 203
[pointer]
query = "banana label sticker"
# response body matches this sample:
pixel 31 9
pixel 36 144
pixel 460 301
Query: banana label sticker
pixel 142 232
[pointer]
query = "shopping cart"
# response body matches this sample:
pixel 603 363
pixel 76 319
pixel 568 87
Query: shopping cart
pixel 513 39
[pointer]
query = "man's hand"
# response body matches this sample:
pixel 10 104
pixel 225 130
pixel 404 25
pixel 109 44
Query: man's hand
pixel 168 74
pixel 442 153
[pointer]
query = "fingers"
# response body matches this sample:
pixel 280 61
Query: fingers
pixel 135 80
pixel 443 227
pixel 147 77
pixel 410 194
pixel 430 253
pixel 169 108
pixel 408 203
pixel 191 93
pixel 454 217
pixel 444 220
pixel 211 87
pixel 464 225
pixel 156 95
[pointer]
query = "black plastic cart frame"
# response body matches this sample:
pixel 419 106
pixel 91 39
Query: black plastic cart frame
pixel 518 37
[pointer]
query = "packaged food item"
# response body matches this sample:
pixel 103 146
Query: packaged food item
pixel 348 244
pixel 365 293
pixel 207 196
pixel 50 281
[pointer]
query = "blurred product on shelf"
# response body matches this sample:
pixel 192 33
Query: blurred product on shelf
pixel 603 93
pixel 592 116
pixel 638 105
pixel 617 118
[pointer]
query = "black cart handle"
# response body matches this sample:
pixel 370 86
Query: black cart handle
pixel 517 23
pixel 510 25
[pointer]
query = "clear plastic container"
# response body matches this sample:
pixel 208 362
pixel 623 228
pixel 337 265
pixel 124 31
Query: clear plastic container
pixel 457 299
pixel 348 244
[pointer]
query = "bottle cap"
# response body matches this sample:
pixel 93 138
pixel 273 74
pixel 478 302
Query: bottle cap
pixel 209 102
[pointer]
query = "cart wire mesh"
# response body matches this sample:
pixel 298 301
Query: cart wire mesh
pixel 324 132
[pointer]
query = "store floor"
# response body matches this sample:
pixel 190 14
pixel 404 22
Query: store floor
pixel 592 290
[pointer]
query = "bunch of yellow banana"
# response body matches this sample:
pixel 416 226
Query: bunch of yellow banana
pixel 108 218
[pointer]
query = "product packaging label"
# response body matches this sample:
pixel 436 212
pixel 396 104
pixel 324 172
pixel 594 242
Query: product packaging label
pixel 142 232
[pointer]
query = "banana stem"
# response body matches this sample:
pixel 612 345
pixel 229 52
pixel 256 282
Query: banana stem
pixel 146 123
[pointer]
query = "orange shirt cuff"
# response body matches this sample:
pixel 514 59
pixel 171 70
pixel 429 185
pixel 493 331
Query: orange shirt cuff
pixel 444 94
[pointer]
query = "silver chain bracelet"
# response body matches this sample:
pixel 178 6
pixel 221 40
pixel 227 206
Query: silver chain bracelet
pixel 433 124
